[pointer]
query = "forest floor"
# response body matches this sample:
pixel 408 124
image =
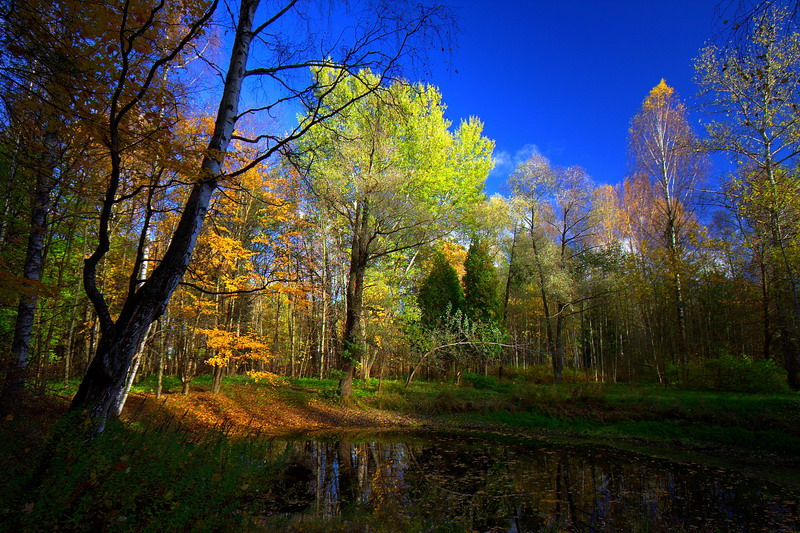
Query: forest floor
pixel 246 409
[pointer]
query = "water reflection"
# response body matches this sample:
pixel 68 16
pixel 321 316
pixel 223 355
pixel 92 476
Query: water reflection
pixel 454 484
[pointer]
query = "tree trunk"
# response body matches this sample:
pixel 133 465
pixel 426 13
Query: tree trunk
pixel 353 334
pixel 558 344
pixel 765 321
pixel 674 265
pixel 512 262
pixel 216 379
pixel 352 339
pixel 160 374
pixel 32 272
pixel 71 335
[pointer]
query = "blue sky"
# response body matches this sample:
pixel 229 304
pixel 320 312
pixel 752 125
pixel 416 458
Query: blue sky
pixel 565 77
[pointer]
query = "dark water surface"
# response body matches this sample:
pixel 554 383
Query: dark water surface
pixel 453 483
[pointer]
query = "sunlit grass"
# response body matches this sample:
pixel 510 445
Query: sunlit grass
pixel 649 411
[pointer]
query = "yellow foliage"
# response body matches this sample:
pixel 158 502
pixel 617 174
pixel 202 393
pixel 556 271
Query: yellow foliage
pixel 268 377
pixel 659 94
pixel 228 346
pixel 455 254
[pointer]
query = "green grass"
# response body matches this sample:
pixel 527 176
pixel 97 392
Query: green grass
pixel 768 422
pixel 157 475
pixel 157 478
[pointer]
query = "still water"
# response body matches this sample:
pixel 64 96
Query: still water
pixel 453 483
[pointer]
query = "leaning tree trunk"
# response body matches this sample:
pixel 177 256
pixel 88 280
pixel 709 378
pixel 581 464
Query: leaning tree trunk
pixel 120 339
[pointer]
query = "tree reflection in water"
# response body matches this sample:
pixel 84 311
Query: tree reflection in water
pixel 456 484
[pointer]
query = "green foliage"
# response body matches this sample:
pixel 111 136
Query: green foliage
pixel 537 374
pixel 540 374
pixel 732 374
pixel 390 157
pixel 482 382
pixel 481 297
pixel 440 293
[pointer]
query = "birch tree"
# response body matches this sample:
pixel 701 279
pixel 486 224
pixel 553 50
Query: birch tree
pixel 665 158
pixel 554 205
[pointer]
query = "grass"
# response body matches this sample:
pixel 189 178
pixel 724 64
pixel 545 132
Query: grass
pixel 764 422
pixel 155 476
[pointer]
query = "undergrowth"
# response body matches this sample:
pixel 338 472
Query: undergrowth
pixel 144 476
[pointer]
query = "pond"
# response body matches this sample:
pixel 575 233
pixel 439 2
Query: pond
pixel 455 483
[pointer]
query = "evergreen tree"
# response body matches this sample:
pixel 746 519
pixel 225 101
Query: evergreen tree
pixel 481 295
pixel 440 292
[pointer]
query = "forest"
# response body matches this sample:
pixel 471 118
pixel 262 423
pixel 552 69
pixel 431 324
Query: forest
pixel 197 193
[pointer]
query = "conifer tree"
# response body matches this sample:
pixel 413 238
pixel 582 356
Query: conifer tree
pixel 440 293
pixel 481 295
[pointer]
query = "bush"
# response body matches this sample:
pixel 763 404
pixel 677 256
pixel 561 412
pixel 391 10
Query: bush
pixel 731 374
pixel 480 382
pixel 525 397
pixel 539 374
pixel 449 401
pixel 393 401
pixel 543 374
pixel 574 375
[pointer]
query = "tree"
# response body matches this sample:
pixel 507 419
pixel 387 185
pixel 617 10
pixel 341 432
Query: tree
pixel 440 293
pixel 279 60
pixel 35 128
pixel 481 285
pixel 391 171
pixel 753 85
pixel 553 204
pixel 665 158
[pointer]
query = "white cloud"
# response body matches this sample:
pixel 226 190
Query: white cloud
pixel 505 162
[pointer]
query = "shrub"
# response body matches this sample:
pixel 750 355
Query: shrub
pixel 543 374
pixel 393 401
pixel 539 374
pixel 480 382
pixel 732 374
pixel 449 401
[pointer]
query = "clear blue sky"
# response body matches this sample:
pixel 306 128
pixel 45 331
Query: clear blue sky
pixel 566 76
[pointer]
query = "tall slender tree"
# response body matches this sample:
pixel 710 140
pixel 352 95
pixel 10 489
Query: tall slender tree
pixel 554 206
pixel 665 159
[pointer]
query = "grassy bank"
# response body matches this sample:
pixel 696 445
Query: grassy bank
pixel 756 422
pixel 762 422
